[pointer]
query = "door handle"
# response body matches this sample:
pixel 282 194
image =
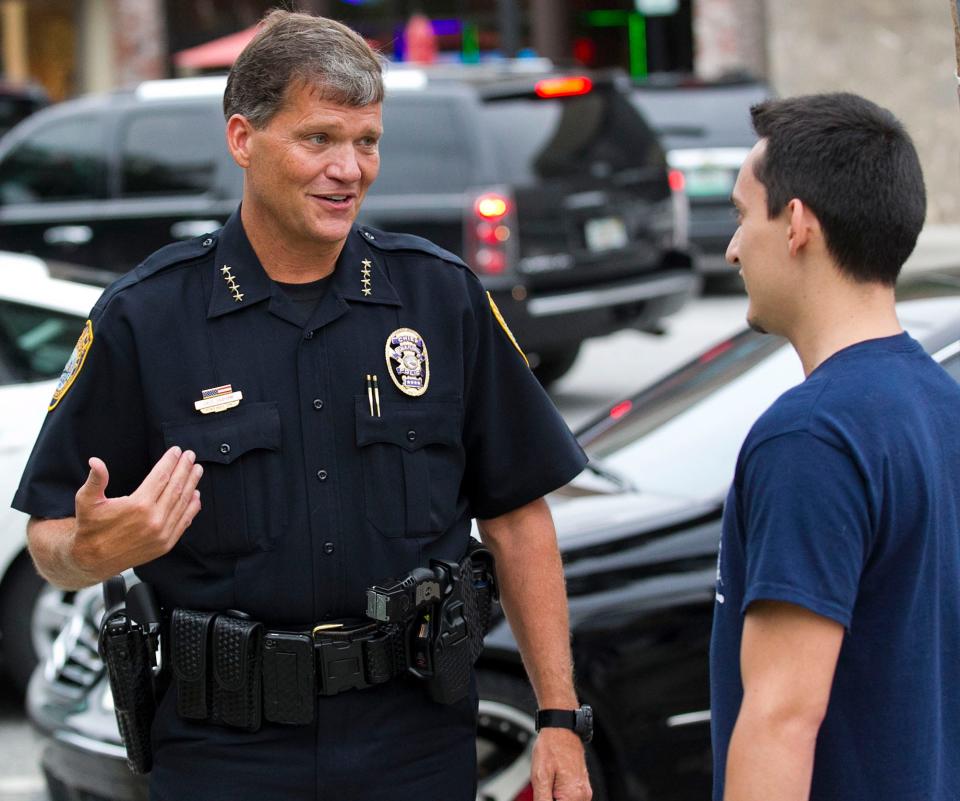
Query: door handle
pixel 68 235
pixel 188 229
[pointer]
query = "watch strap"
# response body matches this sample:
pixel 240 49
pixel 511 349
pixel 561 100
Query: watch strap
pixel 556 718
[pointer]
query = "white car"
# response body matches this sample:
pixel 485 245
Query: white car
pixel 41 318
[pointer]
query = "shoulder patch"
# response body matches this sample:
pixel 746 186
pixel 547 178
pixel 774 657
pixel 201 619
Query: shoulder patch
pixel 391 242
pixel 506 328
pixel 73 366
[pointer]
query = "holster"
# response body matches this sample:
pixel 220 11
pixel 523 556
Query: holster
pixel 125 651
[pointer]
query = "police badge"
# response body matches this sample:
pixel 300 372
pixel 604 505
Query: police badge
pixel 407 361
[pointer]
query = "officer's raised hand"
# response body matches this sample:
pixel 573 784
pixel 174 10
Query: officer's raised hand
pixel 109 535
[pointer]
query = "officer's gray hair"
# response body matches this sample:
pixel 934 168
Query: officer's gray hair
pixel 292 47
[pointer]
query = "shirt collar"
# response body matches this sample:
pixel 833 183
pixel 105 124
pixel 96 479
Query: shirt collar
pixel 360 276
pixel 239 279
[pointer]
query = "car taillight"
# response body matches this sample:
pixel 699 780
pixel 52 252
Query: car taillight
pixel 621 409
pixel 491 206
pixel 488 232
pixel 563 87
pixel 681 208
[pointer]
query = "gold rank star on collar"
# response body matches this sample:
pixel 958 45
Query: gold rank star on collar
pixel 232 284
pixel 365 281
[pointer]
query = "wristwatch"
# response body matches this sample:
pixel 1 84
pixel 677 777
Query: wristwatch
pixel 580 721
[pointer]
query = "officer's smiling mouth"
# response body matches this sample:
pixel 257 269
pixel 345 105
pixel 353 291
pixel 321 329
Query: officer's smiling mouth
pixel 339 201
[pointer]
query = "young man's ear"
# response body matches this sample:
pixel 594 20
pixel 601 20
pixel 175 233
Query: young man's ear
pixel 239 133
pixel 802 225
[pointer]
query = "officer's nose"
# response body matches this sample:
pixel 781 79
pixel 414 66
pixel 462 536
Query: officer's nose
pixel 344 165
pixel 733 249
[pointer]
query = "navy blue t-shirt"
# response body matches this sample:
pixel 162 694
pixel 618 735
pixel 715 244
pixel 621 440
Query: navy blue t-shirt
pixel 846 501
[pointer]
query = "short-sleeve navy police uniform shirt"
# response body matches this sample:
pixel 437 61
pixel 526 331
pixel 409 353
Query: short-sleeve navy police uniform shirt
pixel 846 501
pixel 310 492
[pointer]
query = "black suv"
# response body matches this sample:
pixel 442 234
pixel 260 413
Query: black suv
pixel 551 187
pixel 18 101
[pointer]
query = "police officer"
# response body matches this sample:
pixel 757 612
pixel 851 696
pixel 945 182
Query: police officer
pixel 274 417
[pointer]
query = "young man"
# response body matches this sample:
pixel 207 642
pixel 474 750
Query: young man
pixel 837 620
pixel 255 463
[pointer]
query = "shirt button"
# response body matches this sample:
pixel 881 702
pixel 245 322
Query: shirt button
pixel 224 449
pixel 328 548
pixel 322 475
pixel 411 435
pixel 308 335
pixel 317 403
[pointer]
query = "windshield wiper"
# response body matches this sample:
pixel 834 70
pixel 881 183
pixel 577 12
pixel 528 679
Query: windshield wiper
pixel 599 469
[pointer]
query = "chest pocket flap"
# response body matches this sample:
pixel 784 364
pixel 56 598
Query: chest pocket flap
pixel 225 437
pixel 408 427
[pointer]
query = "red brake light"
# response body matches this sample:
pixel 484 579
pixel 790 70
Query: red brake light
pixel 677 180
pixel 621 409
pixel 492 207
pixel 563 87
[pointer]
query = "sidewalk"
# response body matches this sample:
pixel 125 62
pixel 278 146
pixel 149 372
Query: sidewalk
pixel 937 247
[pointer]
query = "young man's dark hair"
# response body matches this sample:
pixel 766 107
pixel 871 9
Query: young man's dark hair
pixel 855 166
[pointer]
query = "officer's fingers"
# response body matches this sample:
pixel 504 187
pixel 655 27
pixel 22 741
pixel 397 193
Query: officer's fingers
pixel 541 779
pixel 180 484
pixel 156 481
pixel 182 490
pixel 94 488
pixel 190 511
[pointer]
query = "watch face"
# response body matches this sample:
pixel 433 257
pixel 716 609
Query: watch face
pixel 584 726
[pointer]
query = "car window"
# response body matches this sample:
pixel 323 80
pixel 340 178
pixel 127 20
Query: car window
pixel 63 160
pixel 36 343
pixel 713 116
pixel 952 366
pixel 540 138
pixel 424 148
pixel 170 152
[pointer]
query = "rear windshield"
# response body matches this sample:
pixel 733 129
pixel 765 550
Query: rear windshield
pixel 424 148
pixel 711 116
pixel 598 134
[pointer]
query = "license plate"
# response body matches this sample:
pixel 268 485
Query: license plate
pixel 710 182
pixel 605 233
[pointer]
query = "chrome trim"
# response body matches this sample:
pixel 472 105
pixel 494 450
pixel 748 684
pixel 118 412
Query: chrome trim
pixel 611 296
pixel 688 719
pixel 91 745
pixel 946 352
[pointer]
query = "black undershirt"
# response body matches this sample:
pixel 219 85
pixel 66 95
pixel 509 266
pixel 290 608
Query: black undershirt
pixel 306 297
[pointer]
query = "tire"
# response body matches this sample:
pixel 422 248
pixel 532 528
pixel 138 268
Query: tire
pixel 31 615
pixel 555 364
pixel 505 736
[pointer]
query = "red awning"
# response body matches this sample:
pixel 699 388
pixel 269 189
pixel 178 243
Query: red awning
pixel 220 52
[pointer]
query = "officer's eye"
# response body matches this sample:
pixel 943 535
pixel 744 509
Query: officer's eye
pixel 319 139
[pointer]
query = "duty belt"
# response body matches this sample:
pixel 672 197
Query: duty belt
pixel 222 663
pixel 234 671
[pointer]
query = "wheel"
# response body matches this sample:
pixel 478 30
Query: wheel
pixel 31 617
pixel 505 736
pixel 554 364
